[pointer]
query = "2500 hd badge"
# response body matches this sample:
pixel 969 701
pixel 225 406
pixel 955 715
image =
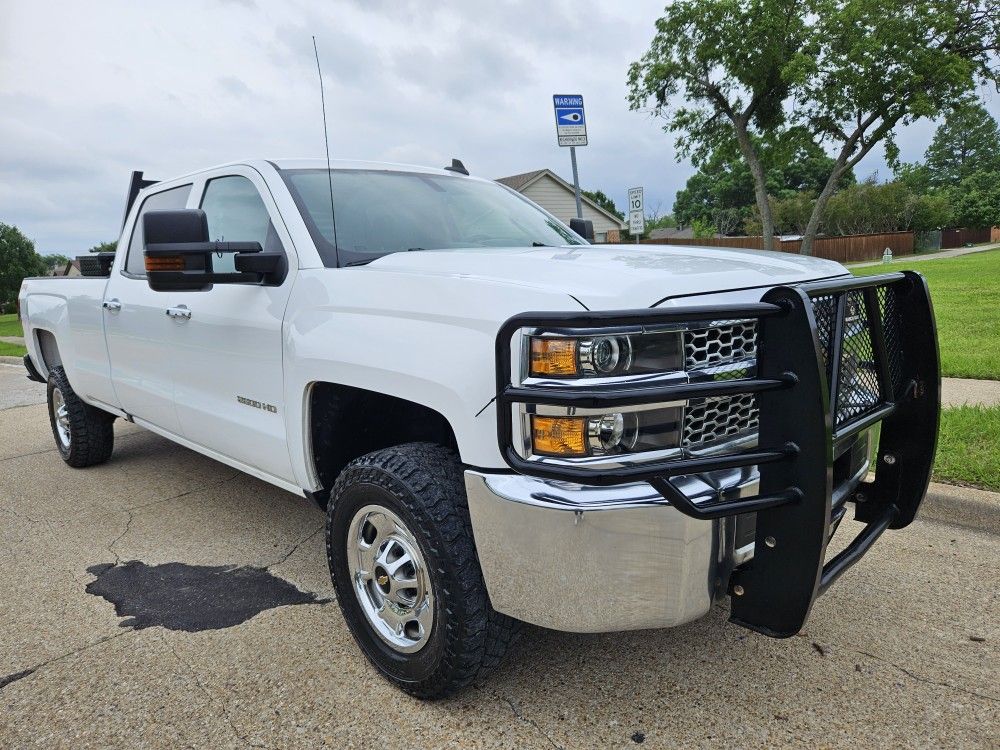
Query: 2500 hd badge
pixel 257 404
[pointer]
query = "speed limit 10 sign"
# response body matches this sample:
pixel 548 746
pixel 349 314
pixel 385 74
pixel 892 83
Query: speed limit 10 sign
pixel 636 216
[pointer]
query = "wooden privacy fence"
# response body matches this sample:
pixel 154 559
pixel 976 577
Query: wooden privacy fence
pixel 961 237
pixel 850 248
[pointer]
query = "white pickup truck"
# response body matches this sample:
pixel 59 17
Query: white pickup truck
pixel 505 423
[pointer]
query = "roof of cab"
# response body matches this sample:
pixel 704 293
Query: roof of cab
pixel 335 164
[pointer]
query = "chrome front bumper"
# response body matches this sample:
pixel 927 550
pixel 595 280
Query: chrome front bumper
pixel 593 559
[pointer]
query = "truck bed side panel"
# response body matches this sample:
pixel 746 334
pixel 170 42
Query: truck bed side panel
pixel 70 309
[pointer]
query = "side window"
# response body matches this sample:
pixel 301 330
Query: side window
pixel 236 213
pixel 176 197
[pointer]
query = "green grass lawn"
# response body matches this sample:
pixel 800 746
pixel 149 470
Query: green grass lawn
pixel 969 446
pixel 966 295
pixel 11 350
pixel 10 325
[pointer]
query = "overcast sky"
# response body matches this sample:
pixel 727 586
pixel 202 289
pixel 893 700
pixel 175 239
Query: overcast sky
pixel 92 90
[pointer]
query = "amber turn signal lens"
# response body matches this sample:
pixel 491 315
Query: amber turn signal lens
pixel 554 357
pixel 165 263
pixel 559 436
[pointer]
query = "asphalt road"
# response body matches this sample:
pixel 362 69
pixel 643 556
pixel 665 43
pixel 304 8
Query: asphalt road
pixel 902 652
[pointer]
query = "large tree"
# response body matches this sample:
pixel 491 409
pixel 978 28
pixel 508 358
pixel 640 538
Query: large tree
pixel 104 247
pixel 968 141
pixel 846 72
pixel 18 260
pixel 715 71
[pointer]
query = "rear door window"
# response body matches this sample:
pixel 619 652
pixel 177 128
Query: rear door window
pixel 135 264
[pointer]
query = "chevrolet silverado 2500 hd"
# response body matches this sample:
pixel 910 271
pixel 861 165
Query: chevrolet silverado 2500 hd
pixel 504 423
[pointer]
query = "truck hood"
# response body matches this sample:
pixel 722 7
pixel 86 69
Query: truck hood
pixel 609 277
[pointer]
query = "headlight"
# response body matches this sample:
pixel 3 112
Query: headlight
pixel 605 355
pixel 606 434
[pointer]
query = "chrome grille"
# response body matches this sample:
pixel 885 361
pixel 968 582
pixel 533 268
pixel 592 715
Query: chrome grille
pixel 720 343
pixel 711 420
pixel 725 350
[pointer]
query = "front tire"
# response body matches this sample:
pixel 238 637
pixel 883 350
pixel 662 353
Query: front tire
pixel 84 435
pixel 404 566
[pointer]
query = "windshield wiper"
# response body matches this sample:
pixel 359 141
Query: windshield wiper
pixel 539 244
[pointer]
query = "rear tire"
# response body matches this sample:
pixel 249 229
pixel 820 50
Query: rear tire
pixel 84 434
pixel 406 506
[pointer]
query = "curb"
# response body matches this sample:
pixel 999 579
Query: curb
pixel 12 361
pixel 968 507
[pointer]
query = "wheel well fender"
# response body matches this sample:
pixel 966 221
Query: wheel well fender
pixel 346 422
pixel 49 349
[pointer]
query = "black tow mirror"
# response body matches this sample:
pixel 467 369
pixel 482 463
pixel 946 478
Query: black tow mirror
pixel 178 254
pixel 583 227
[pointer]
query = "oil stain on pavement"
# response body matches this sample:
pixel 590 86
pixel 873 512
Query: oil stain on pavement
pixel 191 598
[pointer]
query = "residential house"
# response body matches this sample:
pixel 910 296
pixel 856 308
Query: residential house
pixel 555 195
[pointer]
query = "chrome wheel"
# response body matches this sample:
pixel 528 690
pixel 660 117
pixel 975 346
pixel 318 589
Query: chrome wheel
pixel 390 578
pixel 61 414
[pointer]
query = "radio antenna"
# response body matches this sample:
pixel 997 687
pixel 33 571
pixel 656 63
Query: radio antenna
pixel 326 140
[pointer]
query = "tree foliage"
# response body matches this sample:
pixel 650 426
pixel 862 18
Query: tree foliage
pixel 104 247
pixel 55 260
pixel 18 260
pixel 968 141
pixel 976 201
pixel 845 72
pixel 723 186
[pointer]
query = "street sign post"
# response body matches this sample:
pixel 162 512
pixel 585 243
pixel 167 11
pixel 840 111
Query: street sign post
pixel 636 213
pixel 571 130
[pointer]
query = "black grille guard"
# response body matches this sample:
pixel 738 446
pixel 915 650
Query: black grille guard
pixel 811 338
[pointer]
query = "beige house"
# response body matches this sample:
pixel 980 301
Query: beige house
pixel 555 195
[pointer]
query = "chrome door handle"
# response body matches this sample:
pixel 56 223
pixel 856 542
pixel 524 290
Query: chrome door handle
pixel 112 305
pixel 181 312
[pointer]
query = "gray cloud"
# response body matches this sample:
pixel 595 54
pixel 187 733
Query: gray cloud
pixel 89 92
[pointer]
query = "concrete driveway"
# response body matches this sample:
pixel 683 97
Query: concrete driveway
pixel 903 651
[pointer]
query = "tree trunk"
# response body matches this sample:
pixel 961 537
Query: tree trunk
pixel 759 182
pixel 812 228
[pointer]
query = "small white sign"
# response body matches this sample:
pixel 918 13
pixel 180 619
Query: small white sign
pixel 571 122
pixel 636 215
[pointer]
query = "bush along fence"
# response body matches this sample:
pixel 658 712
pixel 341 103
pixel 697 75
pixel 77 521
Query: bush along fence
pixel 850 248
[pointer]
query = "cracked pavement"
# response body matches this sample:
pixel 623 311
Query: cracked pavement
pixel 903 651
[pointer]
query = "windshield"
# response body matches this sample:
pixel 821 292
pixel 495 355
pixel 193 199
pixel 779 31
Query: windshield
pixel 380 212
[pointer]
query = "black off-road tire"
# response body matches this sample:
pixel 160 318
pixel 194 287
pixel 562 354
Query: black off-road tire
pixel 422 484
pixel 91 431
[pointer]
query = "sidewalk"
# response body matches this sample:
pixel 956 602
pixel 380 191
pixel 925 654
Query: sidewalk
pixel 953 253
pixel 19 340
pixel 958 391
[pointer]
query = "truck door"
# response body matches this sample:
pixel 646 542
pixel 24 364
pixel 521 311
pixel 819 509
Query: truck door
pixel 228 360
pixel 140 335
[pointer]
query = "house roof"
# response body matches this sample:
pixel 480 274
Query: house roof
pixel 521 182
